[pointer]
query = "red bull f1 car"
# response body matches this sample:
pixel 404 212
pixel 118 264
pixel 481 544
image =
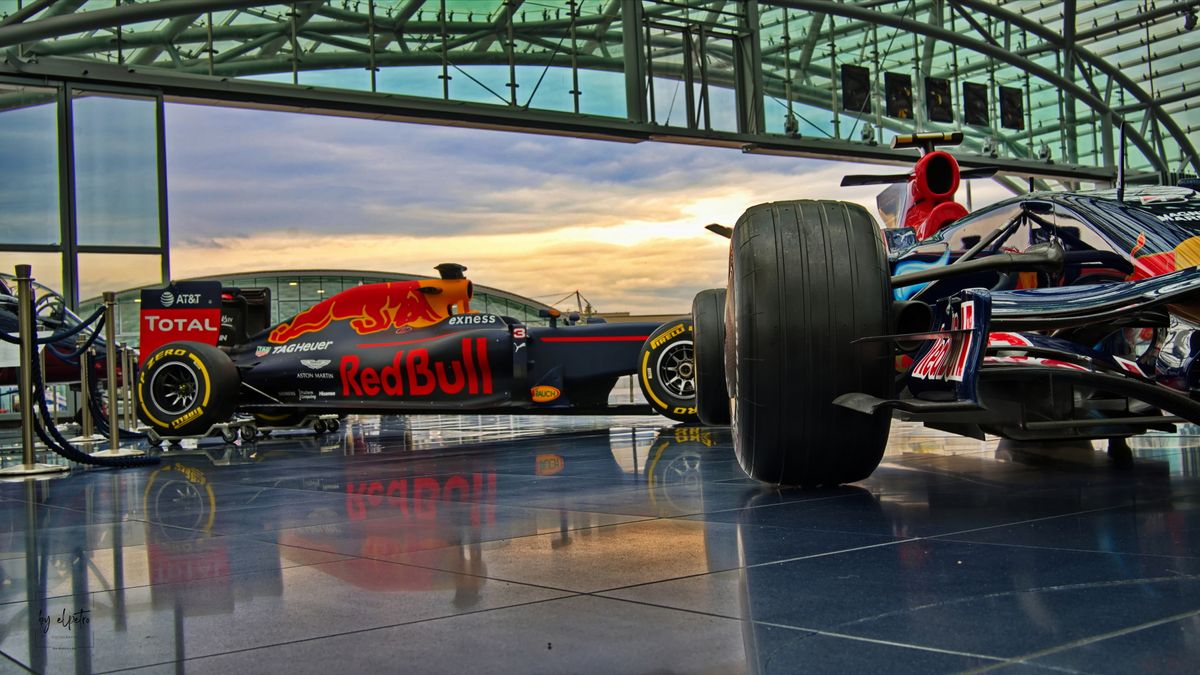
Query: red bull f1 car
pixel 402 346
pixel 819 347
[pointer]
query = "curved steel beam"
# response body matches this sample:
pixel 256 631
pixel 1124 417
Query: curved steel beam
pixel 997 52
pixel 39 29
pixel 1034 28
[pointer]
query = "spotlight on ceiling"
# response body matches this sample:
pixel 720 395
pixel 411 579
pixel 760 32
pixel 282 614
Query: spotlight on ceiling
pixel 791 125
pixel 868 134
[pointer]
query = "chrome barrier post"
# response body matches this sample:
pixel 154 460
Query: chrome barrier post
pixel 113 387
pixel 127 384
pixel 28 335
pixel 134 422
pixel 87 430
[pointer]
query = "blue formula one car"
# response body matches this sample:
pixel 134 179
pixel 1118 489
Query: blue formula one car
pixel 403 347
pixel 813 330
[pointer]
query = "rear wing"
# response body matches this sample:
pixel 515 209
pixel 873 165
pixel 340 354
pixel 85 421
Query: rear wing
pixel 245 312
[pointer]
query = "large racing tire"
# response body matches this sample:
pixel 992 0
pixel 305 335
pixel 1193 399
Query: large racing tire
pixel 807 279
pixel 708 330
pixel 186 387
pixel 667 371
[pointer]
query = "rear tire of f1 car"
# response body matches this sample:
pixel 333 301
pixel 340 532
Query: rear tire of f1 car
pixel 708 319
pixel 806 279
pixel 186 387
pixel 667 371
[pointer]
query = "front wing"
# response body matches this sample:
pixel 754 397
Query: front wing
pixel 970 379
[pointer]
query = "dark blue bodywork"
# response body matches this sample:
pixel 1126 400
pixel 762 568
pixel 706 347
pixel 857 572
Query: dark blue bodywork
pixel 1105 239
pixel 1090 361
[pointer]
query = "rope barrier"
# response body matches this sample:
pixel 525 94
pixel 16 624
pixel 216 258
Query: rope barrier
pixel 70 332
pixel 47 431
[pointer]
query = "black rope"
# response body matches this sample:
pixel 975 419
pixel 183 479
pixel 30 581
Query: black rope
pixel 70 332
pixel 48 432
pixel 73 357
pixel 100 416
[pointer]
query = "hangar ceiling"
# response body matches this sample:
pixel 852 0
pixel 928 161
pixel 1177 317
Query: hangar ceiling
pixel 775 76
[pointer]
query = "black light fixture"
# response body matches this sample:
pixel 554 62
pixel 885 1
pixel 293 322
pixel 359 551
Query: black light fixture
pixel 975 103
pixel 898 89
pixel 1012 109
pixel 937 99
pixel 856 89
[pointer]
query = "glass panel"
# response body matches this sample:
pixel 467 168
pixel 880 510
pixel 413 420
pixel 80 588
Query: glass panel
pixel 289 289
pixel 100 272
pixel 28 166
pixel 46 267
pixel 116 170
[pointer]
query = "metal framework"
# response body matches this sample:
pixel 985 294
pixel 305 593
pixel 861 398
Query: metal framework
pixel 763 76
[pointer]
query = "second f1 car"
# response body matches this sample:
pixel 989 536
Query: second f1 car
pixel 403 346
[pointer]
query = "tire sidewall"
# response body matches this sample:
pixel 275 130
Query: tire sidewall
pixel 664 345
pixel 795 269
pixel 209 404
pixel 712 395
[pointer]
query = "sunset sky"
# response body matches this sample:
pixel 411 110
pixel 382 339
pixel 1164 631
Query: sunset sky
pixel 540 216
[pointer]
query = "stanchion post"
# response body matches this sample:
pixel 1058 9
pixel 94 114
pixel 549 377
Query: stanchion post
pixel 131 378
pixel 127 385
pixel 87 429
pixel 28 335
pixel 111 354
pixel 85 393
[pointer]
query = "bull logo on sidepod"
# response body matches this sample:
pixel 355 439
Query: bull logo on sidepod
pixel 369 309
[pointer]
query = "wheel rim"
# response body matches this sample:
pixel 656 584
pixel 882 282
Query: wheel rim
pixel 676 370
pixel 174 387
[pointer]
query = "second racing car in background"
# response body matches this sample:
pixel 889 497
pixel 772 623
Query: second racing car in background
pixel 397 347
pixel 1047 317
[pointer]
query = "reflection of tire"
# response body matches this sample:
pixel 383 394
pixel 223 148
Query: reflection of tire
pixel 807 278
pixel 186 387
pixel 708 317
pixel 182 498
pixel 667 371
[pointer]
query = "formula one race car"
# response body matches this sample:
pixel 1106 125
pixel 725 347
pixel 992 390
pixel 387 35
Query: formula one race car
pixel 1106 236
pixel 812 388
pixel 403 346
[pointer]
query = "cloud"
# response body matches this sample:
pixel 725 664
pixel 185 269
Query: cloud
pixel 535 215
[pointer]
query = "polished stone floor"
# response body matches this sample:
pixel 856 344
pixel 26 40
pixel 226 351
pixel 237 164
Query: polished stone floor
pixel 606 545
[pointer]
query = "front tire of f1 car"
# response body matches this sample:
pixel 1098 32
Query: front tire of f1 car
pixel 708 319
pixel 667 370
pixel 807 278
pixel 186 387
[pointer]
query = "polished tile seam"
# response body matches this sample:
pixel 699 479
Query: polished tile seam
pixel 337 557
pixel 349 633
pixel 20 665
pixel 1083 642
pixel 1110 584
pixel 886 643
pixel 1065 549
pixel 1029 521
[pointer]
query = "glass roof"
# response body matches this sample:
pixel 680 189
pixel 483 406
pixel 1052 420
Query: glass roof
pixel 1030 82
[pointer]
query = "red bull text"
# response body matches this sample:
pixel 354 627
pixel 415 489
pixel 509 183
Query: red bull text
pixel 414 369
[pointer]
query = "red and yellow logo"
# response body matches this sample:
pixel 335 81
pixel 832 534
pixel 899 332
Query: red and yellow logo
pixel 375 307
pixel 544 393
pixel 548 465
